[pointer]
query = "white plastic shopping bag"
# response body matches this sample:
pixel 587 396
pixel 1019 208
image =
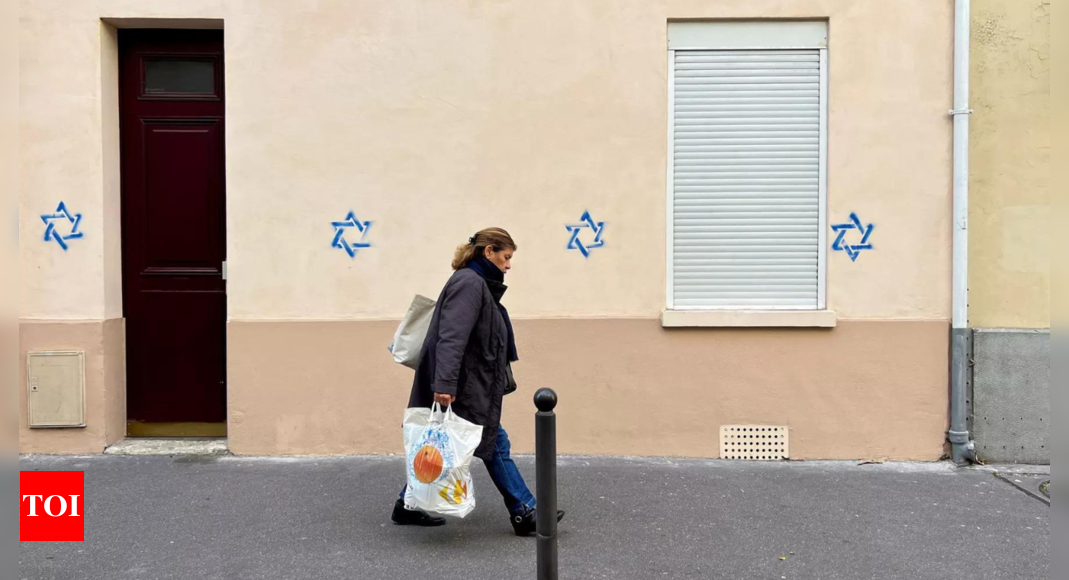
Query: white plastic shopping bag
pixel 408 340
pixel 438 451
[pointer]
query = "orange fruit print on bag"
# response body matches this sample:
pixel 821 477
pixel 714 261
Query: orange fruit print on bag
pixel 428 464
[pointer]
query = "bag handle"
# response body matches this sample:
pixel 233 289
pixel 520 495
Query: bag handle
pixel 439 416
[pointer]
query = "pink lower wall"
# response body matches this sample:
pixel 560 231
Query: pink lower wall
pixel 872 389
pixel 865 389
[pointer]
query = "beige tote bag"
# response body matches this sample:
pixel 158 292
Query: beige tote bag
pixel 408 340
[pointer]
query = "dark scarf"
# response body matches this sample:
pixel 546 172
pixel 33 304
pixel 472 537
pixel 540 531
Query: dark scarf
pixel 495 280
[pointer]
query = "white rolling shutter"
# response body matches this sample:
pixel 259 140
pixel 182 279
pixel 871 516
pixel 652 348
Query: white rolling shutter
pixel 746 161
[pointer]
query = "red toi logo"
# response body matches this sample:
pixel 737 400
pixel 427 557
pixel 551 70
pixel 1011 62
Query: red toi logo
pixel 53 506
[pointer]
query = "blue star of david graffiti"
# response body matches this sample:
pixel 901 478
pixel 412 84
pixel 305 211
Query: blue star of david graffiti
pixel 588 223
pixel 350 221
pixel 51 232
pixel 852 250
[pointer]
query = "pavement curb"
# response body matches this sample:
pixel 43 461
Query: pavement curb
pixel 1038 496
pixel 170 447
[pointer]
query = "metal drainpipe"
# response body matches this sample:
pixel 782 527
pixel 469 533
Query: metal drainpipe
pixel 962 446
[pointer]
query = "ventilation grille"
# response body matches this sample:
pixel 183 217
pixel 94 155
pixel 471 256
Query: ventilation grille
pixel 754 442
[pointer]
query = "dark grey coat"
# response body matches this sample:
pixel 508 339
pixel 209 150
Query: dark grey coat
pixel 465 355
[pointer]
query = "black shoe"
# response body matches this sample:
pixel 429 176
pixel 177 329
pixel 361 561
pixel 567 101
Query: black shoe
pixel 406 517
pixel 527 524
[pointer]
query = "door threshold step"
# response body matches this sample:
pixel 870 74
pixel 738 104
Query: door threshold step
pixel 213 447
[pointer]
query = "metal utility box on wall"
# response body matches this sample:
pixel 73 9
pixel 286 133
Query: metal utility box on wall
pixel 55 389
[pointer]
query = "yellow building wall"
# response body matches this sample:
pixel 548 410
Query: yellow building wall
pixel 1009 255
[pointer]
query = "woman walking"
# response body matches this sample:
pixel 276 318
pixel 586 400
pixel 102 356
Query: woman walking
pixel 466 363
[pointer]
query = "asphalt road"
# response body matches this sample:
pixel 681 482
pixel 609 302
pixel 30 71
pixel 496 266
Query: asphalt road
pixel 324 518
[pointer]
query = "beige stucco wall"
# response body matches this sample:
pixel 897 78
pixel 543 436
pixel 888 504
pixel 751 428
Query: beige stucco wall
pixel 435 119
pixel 1009 282
pixel 532 114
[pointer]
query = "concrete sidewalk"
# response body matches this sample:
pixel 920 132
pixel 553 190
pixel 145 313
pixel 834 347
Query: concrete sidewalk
pixel 323 518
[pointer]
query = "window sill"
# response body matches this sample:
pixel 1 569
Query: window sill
pixel 748 319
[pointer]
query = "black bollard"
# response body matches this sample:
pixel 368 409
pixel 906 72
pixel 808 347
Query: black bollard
pixel 546 479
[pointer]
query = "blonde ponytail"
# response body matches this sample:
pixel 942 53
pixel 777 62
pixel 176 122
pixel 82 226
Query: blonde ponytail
pixel 463 255
pixel 496 238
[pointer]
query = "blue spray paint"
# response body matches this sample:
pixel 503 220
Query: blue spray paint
pixel 53 233
pixel 587 223
pixel 852 250
pixel 340 228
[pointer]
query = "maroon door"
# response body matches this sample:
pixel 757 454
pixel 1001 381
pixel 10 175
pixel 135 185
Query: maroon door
pixel 174 226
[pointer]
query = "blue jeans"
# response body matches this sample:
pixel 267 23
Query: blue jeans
pixel 506 476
